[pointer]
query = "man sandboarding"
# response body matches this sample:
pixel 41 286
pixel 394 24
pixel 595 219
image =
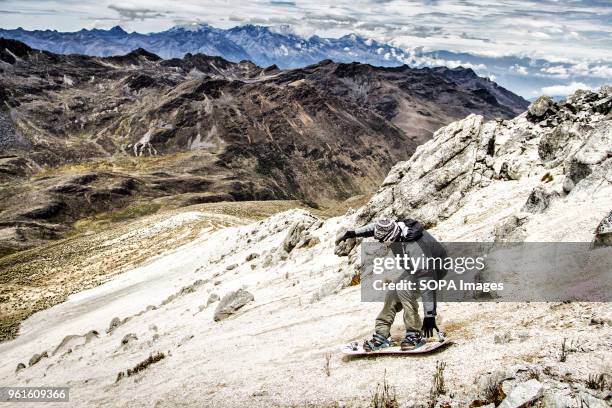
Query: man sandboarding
pixel 418 242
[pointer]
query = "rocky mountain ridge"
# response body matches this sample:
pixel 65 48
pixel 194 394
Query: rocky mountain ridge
pixel 558 151
pixel 84 135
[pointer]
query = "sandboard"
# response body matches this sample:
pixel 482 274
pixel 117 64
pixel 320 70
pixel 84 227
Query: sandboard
pixel 353 349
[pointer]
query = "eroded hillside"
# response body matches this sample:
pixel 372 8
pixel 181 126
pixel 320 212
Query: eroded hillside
pixel 85 135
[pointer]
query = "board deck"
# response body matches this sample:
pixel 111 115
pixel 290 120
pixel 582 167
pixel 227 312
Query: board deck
pixel 427 348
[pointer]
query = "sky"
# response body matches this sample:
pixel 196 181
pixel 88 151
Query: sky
pixel 572 31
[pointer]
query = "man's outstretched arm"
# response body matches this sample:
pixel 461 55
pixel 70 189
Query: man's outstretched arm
pixel 361 232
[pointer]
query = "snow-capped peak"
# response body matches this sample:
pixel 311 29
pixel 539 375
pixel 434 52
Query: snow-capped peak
pixel 192 26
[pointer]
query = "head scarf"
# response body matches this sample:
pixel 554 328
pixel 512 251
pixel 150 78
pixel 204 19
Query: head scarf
pixel 386 230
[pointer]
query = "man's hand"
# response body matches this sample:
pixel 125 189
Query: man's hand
pixel 348 234
pixel 429 323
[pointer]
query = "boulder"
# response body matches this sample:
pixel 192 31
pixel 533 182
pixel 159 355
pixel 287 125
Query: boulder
pixel 343 248
pixel 37 357
pixel 603 232
pixel 114 323
pixel 538 201
pixel 231 303
pixel 522 394
pixel 597 147
pixel 74 341
pixel 540 108
pixel 553 144
pixel 296 233
pixel 558 397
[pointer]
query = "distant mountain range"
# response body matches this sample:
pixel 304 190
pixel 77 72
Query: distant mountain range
pixel 279 46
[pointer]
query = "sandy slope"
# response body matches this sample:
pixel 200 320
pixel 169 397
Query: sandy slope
pixel 273 351
pixel 36 279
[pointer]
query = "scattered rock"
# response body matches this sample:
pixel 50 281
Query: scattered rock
pixel 558 398
pixel 603 232
pixel 591 401
pixel 508 229
pixel 128 338
pixel 185 340
pixel 600 321
pixel 568 185
pixel 37 357
pixel 522 394
pixel 231 303
pixel 230 267
pixel 538 201
pixel 308 241
pixel 20 367
pixel 523 335
pixel 344 248
pixel 212 299
pixel 251 256
pixel 114 323
pixel 503 338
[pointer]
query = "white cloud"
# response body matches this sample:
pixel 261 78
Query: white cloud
pixel 540 35
pixel 411 58
pixel 563 90
pixel 519 69
pixel 582 69
pixel 555 30
pixel 602 71
pixel 556 70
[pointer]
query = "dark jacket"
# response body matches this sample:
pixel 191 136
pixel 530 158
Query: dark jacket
pixel 428 245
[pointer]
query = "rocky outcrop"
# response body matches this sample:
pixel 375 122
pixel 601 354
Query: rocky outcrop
pixel 231 303
pixel 74 341
pixel 540 108
pixel 555 151
pixel 298 234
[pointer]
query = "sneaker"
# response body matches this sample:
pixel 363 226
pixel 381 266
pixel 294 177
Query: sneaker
pixel 412 341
